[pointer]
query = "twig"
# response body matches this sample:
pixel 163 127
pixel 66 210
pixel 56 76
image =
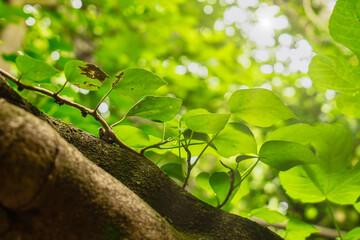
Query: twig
pixel 232 187
pixel 109 133
pixel 189 165
pixel 112 87
pixel 334 220
pixel 62 87
pixel 207 145
pixel 156 145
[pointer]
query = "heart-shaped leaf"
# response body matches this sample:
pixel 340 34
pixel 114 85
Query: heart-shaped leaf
pixel 284 155
pixel 334 72
pixel 138 82
pixel 132 136
pixel 84 75
pixel 156 108
pixel 174 170
pixel 207 122
pixel 296 230
pixel 259 107
pixel 344 24
pixel 33 69
pixel 220 183
pixel 331 179
pixel 235 138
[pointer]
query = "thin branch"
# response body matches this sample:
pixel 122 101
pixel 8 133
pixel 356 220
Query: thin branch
pixel 248 171
pixel 62 87
pixel 207 145
pixel 118 122
pixel 189 166
pixel 232 187
pixel 156 145
pixel 112 87
pixel 334 220
pixel 109 133
pixel 173 147
pixel 102 99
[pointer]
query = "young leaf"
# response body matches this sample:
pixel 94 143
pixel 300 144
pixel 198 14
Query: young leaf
pixel 174 170
pixel 353 234
pixel 270 216
pixel 132 136
pixel 299 133
pixel 34 69
pixel 298 230
pixel 243 157
pixel 193 112
pixel 156 108
pixel 208 122
pixel 220 183
pixel 138 82
pixel 202 180
pixel 259 107
pixel 235 138
pixel 344 25
pixel 334 72
pixel 284 155
pixel 331 178
pixel 84 75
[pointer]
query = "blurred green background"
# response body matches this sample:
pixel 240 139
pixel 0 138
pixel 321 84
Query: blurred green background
pixel 205 50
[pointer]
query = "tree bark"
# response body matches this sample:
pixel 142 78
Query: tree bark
pixel 50 187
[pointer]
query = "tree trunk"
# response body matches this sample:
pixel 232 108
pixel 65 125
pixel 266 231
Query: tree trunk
pixel 50 190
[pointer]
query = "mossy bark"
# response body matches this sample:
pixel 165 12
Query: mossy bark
pixel 186 216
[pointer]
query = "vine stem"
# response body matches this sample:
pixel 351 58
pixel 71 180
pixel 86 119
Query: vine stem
pixel 61 100
pixel 232 187
pixel 232 176
pixel 191 166
pixel 62 87
pixel 334 220
pixel 207 145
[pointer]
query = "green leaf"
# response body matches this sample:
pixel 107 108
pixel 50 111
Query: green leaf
pixel 235 138
pixel 138 82
pixel 353 234
pixel 334 72
pixel 298 230
pixel 243 157
pixel 299 133
pixel 349 104
pixel 84 75
pixel 34 69
pixel 208 122
pixel 156 108
pixel 284 155
pixel 174 170
pixel 259 107
pixel 220 183
pixel 132 136
pixel 331 178
pixel 344 24
pixel 202 180
pixel 357 206
pixel 193 112
pixel 270 216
